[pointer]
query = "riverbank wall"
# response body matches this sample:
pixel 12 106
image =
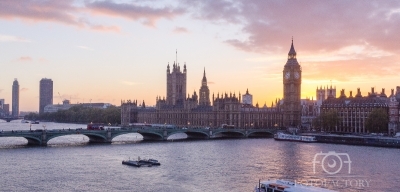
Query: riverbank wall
pixel 360 140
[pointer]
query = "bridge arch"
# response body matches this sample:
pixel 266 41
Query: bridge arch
pixel 260 133
pixel 93 137
pixel 190 133
pixel 197 134
pixel 228 133
pixel 33 140
pixel 152 135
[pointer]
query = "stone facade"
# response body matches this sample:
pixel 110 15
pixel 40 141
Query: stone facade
pixel 199 111
pixel 353 111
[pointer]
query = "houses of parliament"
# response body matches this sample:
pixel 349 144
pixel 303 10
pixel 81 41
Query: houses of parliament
pixel 205 110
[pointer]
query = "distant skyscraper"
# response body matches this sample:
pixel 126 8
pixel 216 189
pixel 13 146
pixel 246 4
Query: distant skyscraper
pixel 15 98
pixel 1 103
pixel 45 94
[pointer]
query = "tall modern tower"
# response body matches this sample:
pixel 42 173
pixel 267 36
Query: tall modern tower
pixel 204 91
pixel 291 91
pixel 176 84
pixel 15 98
pixel 45 94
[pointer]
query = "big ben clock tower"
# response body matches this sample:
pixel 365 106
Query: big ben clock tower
pixel 291 91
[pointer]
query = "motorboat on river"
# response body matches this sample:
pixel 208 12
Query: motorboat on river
pixel 287 137
pixel 150 162
pixel 131 163
pixel 286 186
pixel 141 162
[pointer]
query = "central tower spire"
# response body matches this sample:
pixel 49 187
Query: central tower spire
pixel 292 52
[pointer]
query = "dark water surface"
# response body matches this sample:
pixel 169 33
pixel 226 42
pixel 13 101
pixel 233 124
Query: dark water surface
pixel 69 163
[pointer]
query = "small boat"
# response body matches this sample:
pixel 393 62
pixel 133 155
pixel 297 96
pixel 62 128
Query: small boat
pixel 286 186
pixel 150 162
pixel 140 162
pixel 131 163
pixel 287 137
pixel 34 122
pixel 24 121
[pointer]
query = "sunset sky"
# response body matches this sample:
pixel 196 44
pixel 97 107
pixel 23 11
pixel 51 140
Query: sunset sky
pixel 108 51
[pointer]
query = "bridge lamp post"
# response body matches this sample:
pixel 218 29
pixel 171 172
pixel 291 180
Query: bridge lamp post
pixel 44 127
pixel 188 124
pixel 252 125
pixel 30 126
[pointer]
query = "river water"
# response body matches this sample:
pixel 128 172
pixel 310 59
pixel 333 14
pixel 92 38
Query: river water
pixel 69 163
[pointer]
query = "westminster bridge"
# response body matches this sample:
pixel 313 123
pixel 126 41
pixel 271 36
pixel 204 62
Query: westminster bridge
pixel 41 137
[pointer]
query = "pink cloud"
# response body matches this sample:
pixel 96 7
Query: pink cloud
pixel 359 36
pixel 148 15
pixel 24 89
pixel 47 10
pixel 42 59
pixel 319 25
pixel 25 58
pixel 63 12
pixel 180 30
pixel 105 28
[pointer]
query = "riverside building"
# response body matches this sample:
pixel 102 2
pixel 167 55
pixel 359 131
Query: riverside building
pixel 354 110
pixel 15 98
pixel 45 94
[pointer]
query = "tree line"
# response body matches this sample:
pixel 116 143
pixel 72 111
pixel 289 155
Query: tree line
pixel 81 114
pixel 376 122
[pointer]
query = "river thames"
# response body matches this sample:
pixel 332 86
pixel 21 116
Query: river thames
pixel 69 163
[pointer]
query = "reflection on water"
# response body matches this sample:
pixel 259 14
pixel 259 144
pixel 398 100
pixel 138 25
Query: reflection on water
pixel 69 163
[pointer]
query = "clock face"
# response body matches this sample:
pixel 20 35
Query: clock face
pixel 296 75
pixel 287 75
